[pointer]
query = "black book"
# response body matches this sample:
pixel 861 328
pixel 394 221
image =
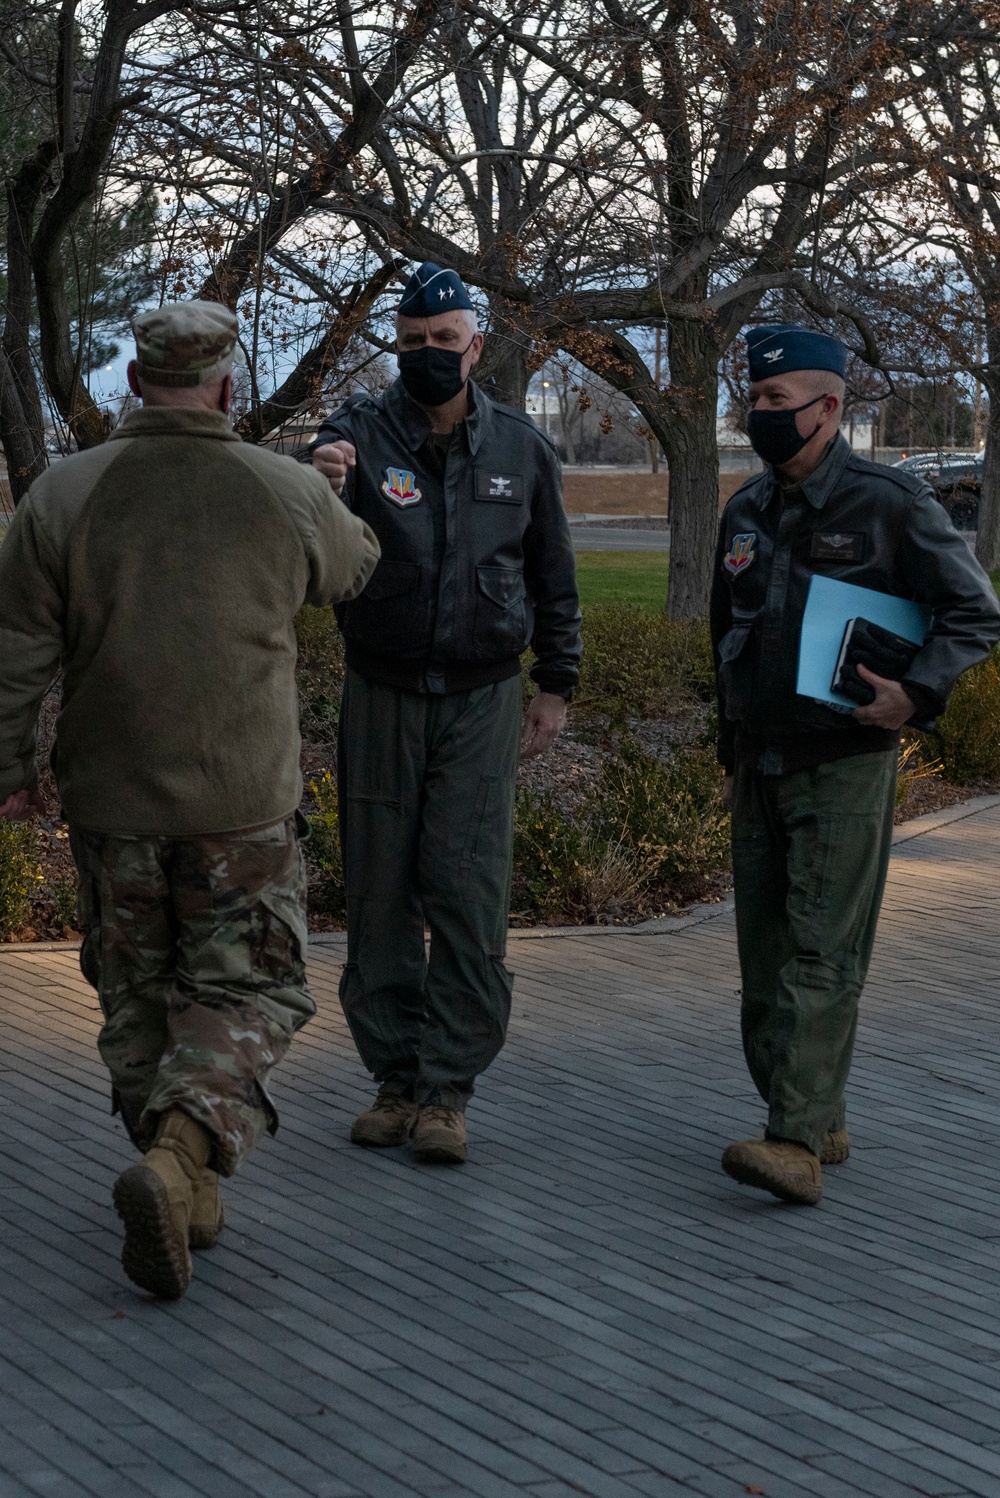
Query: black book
pixel 867 644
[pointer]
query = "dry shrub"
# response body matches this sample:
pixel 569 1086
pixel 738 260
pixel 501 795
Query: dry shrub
pixel 670 815
pixel 914 766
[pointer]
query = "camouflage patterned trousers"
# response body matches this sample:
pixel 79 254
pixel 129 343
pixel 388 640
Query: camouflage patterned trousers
pixel 196 947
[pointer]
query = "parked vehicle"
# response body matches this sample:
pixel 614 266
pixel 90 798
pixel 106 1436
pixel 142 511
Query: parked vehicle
pixel 918 463
pixel 958 483
pixel 956 479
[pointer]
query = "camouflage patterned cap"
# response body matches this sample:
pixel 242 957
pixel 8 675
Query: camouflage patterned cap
pixel 185 343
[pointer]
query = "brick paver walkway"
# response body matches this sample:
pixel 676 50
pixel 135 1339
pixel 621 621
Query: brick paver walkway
pixel 590 1306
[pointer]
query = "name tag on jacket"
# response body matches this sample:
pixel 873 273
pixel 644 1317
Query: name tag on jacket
pixel 837 546
pixel 506 488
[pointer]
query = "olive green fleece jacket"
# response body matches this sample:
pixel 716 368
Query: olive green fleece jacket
pixel 163 572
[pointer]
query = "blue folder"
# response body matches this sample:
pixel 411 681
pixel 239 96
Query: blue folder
pixel 828 608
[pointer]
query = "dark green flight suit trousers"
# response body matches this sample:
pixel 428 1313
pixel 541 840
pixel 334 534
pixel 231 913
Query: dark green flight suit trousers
pixel 426 787
pixel 810 855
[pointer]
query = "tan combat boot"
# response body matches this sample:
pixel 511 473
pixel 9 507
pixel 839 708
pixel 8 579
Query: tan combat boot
pixel 207 1212
pixel 786 1169
pixel 387 1122
pixel 154 1200
pixel 836 1149
pixel 439 1136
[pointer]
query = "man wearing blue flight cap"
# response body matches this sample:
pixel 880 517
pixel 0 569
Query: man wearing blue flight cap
pixel 812 788
pixel 465 496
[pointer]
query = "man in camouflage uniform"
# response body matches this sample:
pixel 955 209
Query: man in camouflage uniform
pixel 164 571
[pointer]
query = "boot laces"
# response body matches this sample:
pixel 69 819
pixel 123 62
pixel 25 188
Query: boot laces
pixel 440 1113
pixel 390 1102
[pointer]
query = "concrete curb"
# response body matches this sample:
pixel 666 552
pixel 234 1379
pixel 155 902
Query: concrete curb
pixel 957 813
pixel 671 925
pixel 667 925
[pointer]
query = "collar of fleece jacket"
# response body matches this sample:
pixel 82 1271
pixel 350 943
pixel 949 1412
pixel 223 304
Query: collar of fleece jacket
pixel 175 421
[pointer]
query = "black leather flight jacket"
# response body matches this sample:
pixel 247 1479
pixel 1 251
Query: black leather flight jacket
pixel 860 522
pixel 477 562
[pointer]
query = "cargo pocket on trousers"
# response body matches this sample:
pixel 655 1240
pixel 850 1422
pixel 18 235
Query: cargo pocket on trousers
pixel 486 794
pixel 280 953
pixel 819 885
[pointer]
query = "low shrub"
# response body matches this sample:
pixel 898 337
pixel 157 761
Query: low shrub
pixel 968 736
pixel 637 664
pixel 320 674
pixel 64 897
pixel 323 851
pixel 20 875
pixel 318 636
pixel 647 829
pixel 548 854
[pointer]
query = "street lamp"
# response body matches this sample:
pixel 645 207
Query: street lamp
pixel 545 408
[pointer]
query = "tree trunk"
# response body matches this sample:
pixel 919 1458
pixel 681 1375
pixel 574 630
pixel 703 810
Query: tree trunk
pixel 565 405
pixel 22 429
pixel 682 417
pixel 60 363
pixel 693 460
pixel 503 366
pixel 988 537
pixel 21 438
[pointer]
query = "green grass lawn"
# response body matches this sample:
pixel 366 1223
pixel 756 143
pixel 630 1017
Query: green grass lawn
pixel 635 577
pixel 623 577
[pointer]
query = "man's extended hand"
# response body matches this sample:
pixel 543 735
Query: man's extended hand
pixel 728 789
pixel 333 460
pixel 543 723
pixel 22 805
pixel 892 706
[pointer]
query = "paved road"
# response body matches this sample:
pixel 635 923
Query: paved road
pixel 590 1306
pixel 592 537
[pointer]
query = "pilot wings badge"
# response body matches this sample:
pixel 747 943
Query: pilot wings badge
pixel 400 485
pixel 741 553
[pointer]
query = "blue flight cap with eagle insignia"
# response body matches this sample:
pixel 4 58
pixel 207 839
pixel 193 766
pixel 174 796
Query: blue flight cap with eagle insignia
pixel 431 290
pixel 781 347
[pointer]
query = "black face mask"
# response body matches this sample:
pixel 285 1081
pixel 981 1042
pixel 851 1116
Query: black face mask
pixel 774 435
pixel 432 376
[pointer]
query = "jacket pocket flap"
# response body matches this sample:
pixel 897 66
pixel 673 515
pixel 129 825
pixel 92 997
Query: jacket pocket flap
pixel 392 578
pixel 503 586
pixel 731 645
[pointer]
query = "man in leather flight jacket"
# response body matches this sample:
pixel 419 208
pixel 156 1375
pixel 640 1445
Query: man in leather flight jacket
pixel 465 496
pixel 813 789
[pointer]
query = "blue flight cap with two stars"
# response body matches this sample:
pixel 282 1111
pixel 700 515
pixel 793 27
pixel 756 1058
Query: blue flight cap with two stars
pixel 431 290
pixel 781 347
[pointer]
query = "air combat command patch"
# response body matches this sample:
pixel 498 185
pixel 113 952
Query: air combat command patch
pixel 401 485
pixel 741 553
